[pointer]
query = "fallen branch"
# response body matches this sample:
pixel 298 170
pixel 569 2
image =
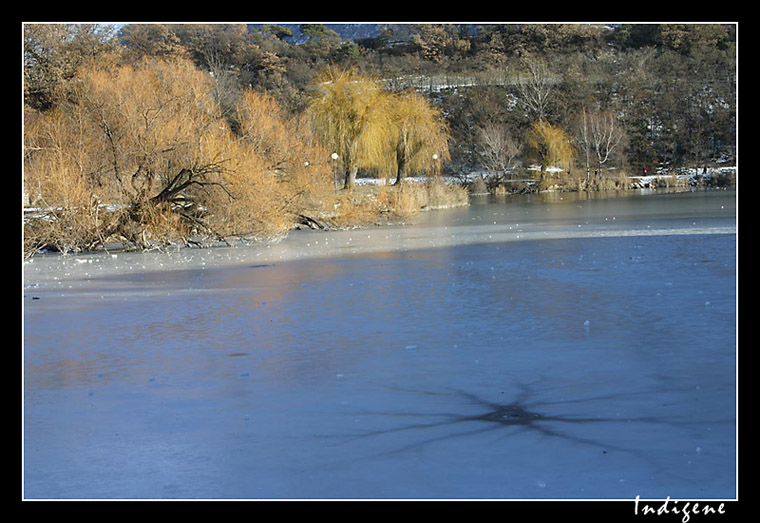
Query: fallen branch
pixel 311 222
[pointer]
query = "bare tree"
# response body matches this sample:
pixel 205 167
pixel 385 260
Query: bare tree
pixel 225 88
pixel 498 149
pixel 583 137
pixel 535 87
pixel 598 135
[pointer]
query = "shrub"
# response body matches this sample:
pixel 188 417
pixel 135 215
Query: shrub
pixel 149 140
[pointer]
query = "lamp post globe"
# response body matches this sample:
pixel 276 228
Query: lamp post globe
pixel 334 157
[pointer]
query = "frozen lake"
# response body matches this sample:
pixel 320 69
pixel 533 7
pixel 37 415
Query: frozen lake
pixel 523 348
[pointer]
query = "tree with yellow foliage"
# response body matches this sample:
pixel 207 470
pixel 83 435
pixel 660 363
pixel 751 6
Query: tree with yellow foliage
pixel 551 145
pixel 351 117
pixel 420 134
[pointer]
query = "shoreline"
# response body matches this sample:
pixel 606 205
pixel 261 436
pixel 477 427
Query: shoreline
pixel 654 185
pixel 55 270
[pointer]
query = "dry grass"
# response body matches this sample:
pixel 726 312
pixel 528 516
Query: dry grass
pixel 65 229
pixel 69 217
pixel 443 196
pixel 574 182
pixel 393 204
pixel 609 181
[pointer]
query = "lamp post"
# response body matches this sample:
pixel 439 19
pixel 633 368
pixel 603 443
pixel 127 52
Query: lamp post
pixel 435 164
pixel 334 157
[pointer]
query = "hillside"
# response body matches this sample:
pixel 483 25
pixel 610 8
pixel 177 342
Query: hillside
pixel 347 32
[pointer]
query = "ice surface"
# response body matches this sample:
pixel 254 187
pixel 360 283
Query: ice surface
pixel 450 359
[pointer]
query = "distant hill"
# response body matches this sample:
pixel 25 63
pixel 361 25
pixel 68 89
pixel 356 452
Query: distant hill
pixel 349 32
pixel 357 31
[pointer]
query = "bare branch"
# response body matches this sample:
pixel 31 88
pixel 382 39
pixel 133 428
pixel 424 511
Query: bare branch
pixel 535 88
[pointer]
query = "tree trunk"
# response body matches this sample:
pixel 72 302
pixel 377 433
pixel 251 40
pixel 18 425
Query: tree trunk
pixel 588 166
pixel 401 158
pixel 400 170
pixel 350 177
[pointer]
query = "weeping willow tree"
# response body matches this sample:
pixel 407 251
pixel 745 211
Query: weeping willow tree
pixel 420 135
pixel 351 116
pixel 551 145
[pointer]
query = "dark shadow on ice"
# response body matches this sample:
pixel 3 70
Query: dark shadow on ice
pixel 514 417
